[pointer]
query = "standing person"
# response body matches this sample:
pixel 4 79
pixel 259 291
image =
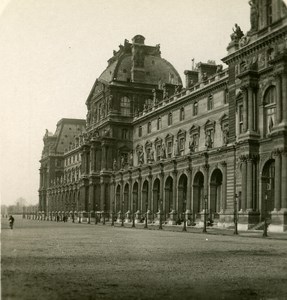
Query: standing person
pixel 11 221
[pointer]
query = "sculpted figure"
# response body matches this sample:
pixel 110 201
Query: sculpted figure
pixel 175 148
pixel 131 159
pixel 253 15
pixel 162 152
pixel 225 136
pixel 237 33
pixel 151 155
pixel 208 140
pixel 114 165
pixel 123 163
pixel 192 145
pixel 141 157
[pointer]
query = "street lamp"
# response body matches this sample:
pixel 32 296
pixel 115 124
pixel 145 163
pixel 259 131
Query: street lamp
pixel 89 217
pixel 133 212
pixel 160 212
pixel 265 219
pixel 205 209
pixel 113 223
pixel 184 217
pixel 235 214
pixel 104 217
pixel 146 206
pixel 122 215
pixel 96 214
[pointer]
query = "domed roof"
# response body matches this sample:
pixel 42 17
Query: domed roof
pixel 136 62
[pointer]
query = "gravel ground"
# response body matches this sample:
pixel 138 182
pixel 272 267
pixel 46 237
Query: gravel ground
pixel 49 260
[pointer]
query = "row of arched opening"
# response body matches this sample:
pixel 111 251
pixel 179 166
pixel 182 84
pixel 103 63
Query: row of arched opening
pixel 172 199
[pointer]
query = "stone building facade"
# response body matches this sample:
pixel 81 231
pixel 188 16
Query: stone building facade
pixel 152 147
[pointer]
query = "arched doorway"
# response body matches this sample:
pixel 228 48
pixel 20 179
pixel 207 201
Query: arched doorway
pixel 156 195
pixel 126 198
pixel 215 194
pixel 198 194
pixel 145 196
pixel 182 189
pixel 135 196
pixel 117 207
pixel 168 206
pixel 268 191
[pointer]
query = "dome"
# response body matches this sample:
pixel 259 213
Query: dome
pixel 136 62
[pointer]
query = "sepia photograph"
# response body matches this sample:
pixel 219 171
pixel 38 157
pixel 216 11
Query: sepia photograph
pixel 143 149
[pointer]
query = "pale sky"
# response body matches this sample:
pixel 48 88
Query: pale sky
pixel 52 51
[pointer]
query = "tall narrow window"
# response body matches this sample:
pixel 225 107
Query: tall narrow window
pixel 125 106
pixel 195 108
pixel 149 127
pixel 181 114
pixel 226 96
pixel 210 102
pixel 169 120
pixel 158 123
pixel 269 12
pixel 140 131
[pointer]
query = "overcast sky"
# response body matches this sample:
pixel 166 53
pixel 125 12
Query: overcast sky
pixel 52 51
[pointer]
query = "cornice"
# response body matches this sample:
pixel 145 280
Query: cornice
pixel 255 46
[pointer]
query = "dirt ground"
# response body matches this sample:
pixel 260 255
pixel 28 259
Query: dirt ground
pixel 49 260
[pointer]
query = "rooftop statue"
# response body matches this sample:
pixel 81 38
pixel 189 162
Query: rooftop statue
pixel 253 15
pixel 237 33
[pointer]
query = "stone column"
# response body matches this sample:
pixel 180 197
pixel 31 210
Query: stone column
pixel 206 169
pixel 103 193
pixel 98 158
pixel 104 157
pixel 249 189
pixel 277 181
pixel 92 158
pixel 250 109
pixel 139 193
pixel 149 192
pixel 278 98
pixel 174 191
pixel 245 124
pixel 188 191
pixel 284 182
pixel 224 184
pixel 243 184
pixel 284 98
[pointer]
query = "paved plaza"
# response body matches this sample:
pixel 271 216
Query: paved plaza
pixel 50 260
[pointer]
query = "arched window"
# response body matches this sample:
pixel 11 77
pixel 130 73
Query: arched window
pixel 158 123
pixel 210 102
pixel 169 119
pixel 125 106
pixel 195 108
pixel 149 127
pixel 269 109
pixel 181 114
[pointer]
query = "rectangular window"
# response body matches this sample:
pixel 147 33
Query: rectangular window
pixel 140 131
pixel 158 150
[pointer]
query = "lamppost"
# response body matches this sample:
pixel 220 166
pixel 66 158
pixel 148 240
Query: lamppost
pixel 184 216
pixel 122 215
pixel 89 217
pixel 146 206
pixel 265 219
pixel 235 214
pixel 160 212
pixel 205 209
pixel 113 222
pixel 104 216
pixel 96 215
pixel 133 212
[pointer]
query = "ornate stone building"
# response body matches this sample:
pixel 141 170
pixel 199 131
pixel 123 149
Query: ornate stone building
pixel 151 146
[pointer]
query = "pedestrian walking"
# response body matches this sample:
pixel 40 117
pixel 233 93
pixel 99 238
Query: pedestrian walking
pixel 11 221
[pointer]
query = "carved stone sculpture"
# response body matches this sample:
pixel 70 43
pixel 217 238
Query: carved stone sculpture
pixel 253 15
